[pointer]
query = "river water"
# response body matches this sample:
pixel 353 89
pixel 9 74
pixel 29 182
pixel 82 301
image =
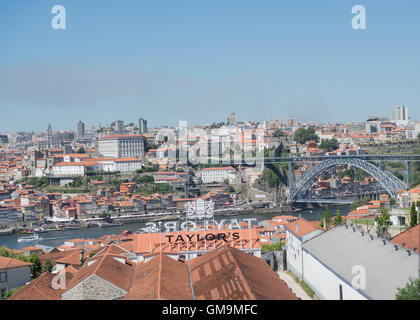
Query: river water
pixel 57 238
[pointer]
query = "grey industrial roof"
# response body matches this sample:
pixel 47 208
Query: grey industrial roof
pixel 386 268
pixel 46 249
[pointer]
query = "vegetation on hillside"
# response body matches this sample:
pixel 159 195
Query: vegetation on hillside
pixel 302 135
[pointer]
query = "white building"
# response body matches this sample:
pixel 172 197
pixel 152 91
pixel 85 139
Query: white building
pixel 121 146
pixel 127 164
pixel 68 169
pixel 346 263
pixel 297 233
pixel 216 175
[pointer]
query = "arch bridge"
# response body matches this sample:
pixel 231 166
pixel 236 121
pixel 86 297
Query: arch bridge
pixel 386 179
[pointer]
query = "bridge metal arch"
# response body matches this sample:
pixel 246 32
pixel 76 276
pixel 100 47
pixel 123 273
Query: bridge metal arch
pixel 387 180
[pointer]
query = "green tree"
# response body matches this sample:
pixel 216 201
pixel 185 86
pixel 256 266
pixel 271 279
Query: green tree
pixel 383 222
pixel 278 134
pixel 270 177
pixel 392 202
pixel 36 265
pixel 413 215
pixel 302 135
pixel 411 291
pixel 162 188
pixel 5 252
pixel 329 145
pixel 327 215
pixel 338 219
pixel 231 189
pixel 81 150
pixel 271 247
pixel 144 179
pixel 11 292
pixel 47 266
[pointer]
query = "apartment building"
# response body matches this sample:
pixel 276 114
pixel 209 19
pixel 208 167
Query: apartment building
pixel 216 175
pixel 121 146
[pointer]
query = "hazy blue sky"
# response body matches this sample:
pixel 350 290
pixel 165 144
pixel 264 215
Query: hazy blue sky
pixel 199 60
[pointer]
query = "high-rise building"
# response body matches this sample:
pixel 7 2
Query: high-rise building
pixel 119 126
pixel 400 113
pixel 80 132
pixel 142 125
pixel 232 118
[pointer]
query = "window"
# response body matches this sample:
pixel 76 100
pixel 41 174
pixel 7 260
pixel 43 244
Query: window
pixel 3 277
pixel 3 294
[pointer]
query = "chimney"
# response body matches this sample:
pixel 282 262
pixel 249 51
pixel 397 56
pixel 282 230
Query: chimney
pixel 362 233
pixel 324 224
pixel 414 249
pixel 371 237
pixel 384 241
pixel 409 252
pixel 403 244
pixel 396 247
pixel 81 255
pixel 297 227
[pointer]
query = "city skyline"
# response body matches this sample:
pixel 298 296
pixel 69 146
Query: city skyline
pixel 171 62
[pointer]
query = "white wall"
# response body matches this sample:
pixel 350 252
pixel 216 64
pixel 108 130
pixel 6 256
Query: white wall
pixel 324 282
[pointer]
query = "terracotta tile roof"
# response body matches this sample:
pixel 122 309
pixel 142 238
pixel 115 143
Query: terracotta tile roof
pixel 71 257
pixel 31 248
pixel 10 263
pixel 108 268
pixel 112 249
pixel 40 289
pixel 156 242
pixel 304 227
pixel 160 278
pixel 228 273
pixel 71 270
pixel 411 238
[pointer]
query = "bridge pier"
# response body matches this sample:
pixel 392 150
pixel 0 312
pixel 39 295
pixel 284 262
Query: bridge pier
pixel 407 173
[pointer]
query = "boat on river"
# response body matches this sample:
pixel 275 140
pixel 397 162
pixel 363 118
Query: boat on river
pixel 34 237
